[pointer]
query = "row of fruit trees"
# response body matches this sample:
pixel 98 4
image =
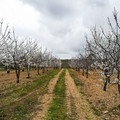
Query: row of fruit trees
pixel 19 53
pixel 102 51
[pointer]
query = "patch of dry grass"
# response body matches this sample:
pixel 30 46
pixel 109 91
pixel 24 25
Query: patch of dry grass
pixel 92 88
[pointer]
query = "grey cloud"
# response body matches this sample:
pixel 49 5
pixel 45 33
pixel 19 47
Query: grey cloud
pixel 58 10
pixel 99 3
pixel 64 22
pixel 52 8
pixel 62 52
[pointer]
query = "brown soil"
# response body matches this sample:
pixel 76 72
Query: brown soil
pixel 104 101
pixel 78 108
pixel 44 101
pixel 7 80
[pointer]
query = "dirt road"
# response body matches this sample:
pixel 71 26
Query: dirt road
pixel 45 100
pixel 77 107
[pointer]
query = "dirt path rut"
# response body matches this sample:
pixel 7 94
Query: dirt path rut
pixel 45 100
pixel 73 99
pixel 78 109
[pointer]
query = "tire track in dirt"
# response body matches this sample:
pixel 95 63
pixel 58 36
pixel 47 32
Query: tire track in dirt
pixel 78 109
pixel 73 99
pixel 45 100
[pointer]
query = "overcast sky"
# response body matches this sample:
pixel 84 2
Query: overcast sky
pixel 59 25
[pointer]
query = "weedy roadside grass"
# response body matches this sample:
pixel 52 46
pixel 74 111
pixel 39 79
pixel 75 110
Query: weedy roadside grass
pixel 116 109
pixel 58 110
pixel 76 80
pixel 19 101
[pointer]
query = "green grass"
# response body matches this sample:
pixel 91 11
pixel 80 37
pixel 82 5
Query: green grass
pixel 20 109
pixel 2 68
pixel 57 110
pixel 116 108
pixel 95 110
pixel 22 90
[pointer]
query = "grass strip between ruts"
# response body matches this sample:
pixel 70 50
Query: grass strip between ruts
pixel 58 110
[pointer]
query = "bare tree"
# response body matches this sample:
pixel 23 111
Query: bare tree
pixel 105 46
pixel 4 36
pixel 16 51
pixel 30 51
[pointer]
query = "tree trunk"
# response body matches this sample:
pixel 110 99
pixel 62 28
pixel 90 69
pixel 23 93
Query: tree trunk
pixel 118 76
pixel 8 70
pixel 83 72
pixel 23 69
pixel 38 70
pixel 118 73
pixel 105 85
pixel 106 81
pixel 17 69
pixel 119 86
pixel 28 71
pixel 87 72
pixel 76 68
pixel 43 69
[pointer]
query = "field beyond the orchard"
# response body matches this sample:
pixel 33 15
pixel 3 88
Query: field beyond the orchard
pixel 57 94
